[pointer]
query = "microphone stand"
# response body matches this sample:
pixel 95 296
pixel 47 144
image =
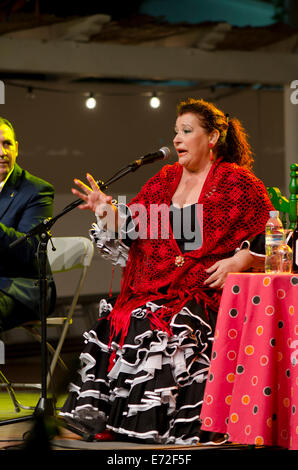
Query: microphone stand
pixel 45 407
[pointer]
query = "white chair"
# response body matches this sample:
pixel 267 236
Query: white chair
pixel 69 253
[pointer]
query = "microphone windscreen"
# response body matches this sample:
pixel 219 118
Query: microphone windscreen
pixel 166 152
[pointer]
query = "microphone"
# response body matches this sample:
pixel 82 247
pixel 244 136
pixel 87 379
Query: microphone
pixel 162 154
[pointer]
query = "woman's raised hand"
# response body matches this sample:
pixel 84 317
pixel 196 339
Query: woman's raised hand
pixel 94 199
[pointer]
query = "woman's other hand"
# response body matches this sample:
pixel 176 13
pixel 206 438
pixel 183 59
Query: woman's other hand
pixel 219 271
pixel 241 261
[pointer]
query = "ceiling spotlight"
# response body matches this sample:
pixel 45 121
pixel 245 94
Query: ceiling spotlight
pixel 90 102
pixel 154 101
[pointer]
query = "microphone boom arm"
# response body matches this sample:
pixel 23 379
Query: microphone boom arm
pixel 46 224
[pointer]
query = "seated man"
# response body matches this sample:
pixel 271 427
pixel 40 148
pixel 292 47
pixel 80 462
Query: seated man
pixel 25 201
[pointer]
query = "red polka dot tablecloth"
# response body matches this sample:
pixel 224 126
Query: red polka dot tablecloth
pixel 252 387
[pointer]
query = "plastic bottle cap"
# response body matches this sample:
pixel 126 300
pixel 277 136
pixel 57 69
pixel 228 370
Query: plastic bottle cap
pixel 274 213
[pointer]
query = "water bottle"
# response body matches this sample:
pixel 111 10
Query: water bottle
pixel 273 240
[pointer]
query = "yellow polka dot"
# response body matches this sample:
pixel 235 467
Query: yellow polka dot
pixel 291 310
pixel 228 399
pixel 296 429
pixel 266 281
pixel 234 418
pixel 259 441
pixel 231 377
pixel 249 350
pixel 269 422
pixel 286 402
pixel 216 334
pixel 260 330
pixel 245 399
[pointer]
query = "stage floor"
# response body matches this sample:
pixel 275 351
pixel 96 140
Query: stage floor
pixel 14 435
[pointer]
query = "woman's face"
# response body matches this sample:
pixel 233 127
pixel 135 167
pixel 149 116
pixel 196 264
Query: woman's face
pixel 191 142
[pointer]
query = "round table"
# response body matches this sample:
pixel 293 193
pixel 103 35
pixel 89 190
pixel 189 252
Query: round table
pixel 252 387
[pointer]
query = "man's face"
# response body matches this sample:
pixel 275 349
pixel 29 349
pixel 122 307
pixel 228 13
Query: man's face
pixel 8 151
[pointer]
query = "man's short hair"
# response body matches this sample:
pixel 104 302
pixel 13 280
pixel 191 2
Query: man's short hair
pixel 8 124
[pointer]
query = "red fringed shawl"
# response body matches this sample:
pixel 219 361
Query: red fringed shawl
pixel 235 208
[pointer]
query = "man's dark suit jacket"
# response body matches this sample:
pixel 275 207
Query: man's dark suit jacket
pixel 25 201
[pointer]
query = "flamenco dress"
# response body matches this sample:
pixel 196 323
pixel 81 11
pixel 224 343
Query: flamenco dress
pixel 152 387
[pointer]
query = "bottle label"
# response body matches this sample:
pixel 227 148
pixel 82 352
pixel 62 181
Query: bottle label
pixel 274 239
pixel 296 252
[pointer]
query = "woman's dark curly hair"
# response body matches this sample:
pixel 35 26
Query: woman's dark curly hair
pixel 232 143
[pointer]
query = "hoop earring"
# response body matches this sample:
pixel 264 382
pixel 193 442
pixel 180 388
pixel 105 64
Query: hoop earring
pixel 211 156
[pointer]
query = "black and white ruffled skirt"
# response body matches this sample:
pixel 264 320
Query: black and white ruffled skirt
pixel 154 391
